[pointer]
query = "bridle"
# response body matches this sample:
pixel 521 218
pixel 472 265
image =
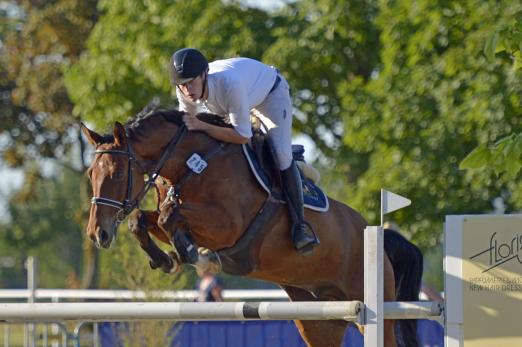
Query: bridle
pixel 129 204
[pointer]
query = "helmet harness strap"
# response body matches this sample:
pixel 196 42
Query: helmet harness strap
pixel 205 80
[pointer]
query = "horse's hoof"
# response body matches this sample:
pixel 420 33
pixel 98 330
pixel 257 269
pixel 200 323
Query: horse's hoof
pixel 153 265
pixel 174 264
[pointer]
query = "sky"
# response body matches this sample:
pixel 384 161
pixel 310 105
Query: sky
pixel 265 4
pixel 10 180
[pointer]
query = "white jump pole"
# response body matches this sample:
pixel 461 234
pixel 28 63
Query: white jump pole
pixel 186 311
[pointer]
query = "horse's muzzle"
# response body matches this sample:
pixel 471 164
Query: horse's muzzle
pixel 102 238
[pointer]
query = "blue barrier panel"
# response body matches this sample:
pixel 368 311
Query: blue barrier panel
pixel 260 334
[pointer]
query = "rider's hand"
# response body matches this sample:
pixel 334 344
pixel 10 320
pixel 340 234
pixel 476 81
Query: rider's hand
pixel 193 123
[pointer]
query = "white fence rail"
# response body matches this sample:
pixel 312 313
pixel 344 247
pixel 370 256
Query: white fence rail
pixel 56 295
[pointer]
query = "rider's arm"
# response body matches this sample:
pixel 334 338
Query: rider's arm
pixel 217 132
pixel 235 99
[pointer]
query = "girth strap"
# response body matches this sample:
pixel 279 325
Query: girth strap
pixel 237 260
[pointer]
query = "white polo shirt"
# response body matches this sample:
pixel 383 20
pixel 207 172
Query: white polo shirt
pixel 235 86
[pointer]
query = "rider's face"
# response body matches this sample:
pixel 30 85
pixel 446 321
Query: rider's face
pixel 194 88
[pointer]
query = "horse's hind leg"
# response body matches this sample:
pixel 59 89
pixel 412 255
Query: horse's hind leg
pixel 140 224
pixel 317 333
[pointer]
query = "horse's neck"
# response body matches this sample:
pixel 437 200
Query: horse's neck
pixel 151 147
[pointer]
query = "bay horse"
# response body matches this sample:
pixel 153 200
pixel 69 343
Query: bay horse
pixel 217 206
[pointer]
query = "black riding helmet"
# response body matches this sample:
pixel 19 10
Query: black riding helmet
pixel 186 64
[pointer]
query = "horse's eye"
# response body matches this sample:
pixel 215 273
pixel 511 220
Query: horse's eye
pixel 118 175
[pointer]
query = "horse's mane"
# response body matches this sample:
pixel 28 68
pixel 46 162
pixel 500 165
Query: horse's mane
pixel 154 115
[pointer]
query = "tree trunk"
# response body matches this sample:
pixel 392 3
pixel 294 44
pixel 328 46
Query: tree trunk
pixel 90 268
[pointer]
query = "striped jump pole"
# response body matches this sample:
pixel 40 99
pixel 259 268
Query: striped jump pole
pixel 186 311
pixel 190 311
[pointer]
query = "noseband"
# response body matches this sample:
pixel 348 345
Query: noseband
pixel 128 205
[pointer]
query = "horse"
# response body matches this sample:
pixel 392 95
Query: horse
pixel 217 205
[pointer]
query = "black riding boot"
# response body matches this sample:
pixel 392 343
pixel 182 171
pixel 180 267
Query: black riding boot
pixel 303 236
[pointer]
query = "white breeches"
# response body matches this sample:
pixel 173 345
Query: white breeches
pixel 275 112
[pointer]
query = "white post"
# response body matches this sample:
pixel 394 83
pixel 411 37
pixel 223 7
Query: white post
pixel 96 333
pixel 373 286
pixel 32 279
pixel 32 269
pixel 454 333
pixel 6 334
pixel 373 271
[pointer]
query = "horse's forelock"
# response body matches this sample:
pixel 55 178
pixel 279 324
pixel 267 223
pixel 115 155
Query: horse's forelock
pixel 107 138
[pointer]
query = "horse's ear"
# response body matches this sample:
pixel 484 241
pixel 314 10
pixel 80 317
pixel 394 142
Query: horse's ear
pixel 120 138
pixel 93 137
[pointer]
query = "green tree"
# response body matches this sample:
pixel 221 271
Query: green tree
pixel 39 41
pixel 319 45
pixel 506 154
pixel 47 228
pixel 395 93
pixel 431 100
pixel 44 38
pixel 125 67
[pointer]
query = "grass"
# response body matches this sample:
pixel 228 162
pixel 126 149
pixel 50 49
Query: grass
pixel 18 334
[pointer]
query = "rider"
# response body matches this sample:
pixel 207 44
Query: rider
pixel 231 88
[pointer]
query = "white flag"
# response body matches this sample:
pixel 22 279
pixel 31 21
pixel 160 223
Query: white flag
pixel 392 202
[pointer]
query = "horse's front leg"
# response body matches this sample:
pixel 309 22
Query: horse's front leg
pixel 141 223
pixel 202 258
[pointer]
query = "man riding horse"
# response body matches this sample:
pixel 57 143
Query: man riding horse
pixel 232 88
pixel 219 206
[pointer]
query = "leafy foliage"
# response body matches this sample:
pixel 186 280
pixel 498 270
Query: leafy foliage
pixel 321 44
pixel 395 94
pixel 42 40
pixel 129 49
pixel 39 42
pixel 126 265
pixel 432 98
pixel 506 154
pixel 48 228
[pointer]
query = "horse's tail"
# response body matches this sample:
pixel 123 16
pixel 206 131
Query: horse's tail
pixel 407 264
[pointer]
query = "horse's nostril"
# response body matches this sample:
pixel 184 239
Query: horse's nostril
pixel 104 236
